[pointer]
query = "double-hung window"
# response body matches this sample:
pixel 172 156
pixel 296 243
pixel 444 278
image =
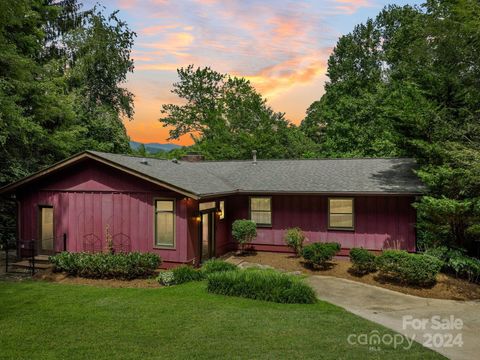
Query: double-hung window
pixel 340 213
pixel 261 210
pixel 165 223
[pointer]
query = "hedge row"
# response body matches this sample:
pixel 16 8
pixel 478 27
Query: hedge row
pixel 105 265
pixel 267 285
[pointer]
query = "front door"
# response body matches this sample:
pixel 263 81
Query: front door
pixel 47 243
pixel 207 244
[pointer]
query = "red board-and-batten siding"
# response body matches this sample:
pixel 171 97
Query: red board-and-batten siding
pixel 89 197
pixel 381 222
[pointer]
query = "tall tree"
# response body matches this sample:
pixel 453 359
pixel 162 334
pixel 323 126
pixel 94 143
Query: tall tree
pixel 407 83
pixel 61 71
pixel 228 118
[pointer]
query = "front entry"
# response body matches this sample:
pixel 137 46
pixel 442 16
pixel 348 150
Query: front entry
pixel 46 234
pixel 207 241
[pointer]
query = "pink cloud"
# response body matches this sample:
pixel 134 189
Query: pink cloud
pixel 156 29
pixel 351 6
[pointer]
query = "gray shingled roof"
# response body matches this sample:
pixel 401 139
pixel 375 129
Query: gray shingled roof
pixel 349 176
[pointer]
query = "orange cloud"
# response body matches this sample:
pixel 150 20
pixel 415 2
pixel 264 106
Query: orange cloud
pixel 173 41
pixel 273 80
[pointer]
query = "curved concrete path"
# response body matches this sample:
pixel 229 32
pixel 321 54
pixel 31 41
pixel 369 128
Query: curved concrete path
pixel 396 311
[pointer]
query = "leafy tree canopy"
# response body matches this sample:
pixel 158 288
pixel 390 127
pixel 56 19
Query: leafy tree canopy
pixel 61 71
pixel 228 118
pixel 407 84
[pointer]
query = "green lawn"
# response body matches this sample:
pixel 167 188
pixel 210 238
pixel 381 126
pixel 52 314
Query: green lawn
pixel 40 320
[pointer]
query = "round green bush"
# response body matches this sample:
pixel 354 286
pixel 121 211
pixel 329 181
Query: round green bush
pixel 244 232
pixel 363 261
pixel 318 254
pixel 294 238
pixel 412 269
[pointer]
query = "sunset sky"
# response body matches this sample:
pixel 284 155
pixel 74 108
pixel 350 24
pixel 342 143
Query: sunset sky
pixel 281 46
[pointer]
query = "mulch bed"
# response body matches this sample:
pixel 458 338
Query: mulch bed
pixel 447 287
pixel 49 275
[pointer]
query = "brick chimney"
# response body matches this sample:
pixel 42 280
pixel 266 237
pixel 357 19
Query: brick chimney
pixel 192 157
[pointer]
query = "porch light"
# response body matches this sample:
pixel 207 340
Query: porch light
pixel 198 218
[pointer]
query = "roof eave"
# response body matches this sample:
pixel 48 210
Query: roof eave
pixel 10 188
pixel 339 193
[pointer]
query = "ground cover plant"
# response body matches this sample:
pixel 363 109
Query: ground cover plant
pixel 106 265
pixel 216 265
pixel 183 274
pixel 455 261
pixel 58 321
pixel 319 254
pixel 412 269
pixel 268 285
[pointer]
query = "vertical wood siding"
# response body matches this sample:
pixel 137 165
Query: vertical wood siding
pixel 381 222
pixel 89 198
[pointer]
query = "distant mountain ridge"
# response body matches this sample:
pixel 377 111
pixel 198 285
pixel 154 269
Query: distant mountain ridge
pixel 154 148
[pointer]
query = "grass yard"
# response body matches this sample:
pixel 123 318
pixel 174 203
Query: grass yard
pixel 40 320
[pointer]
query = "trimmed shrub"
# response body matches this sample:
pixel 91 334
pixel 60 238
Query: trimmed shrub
pixel 318 254
pixel 184 273
pixel 244 232
pixel 363 261
pixel 412 269
pixel 166 278
pixel 294 238
pixel 105 265
pixel 465 267
pixel 267 285
pixel 215 265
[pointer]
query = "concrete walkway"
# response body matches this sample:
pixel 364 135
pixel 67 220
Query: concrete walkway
pixel 397 311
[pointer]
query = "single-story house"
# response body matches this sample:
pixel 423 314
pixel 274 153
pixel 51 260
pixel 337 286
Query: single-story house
pixel 183 210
